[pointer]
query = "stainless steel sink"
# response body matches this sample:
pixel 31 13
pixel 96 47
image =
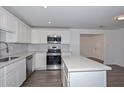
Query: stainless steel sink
pixel 7 59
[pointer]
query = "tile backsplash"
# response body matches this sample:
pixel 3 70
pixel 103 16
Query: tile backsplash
pixel 18 48
pixel 13 48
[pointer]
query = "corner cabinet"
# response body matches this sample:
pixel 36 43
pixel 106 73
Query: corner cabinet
pixel 14 74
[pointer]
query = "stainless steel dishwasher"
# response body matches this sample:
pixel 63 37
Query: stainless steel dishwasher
pixel 29 60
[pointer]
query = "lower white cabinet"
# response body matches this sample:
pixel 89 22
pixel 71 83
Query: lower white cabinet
pixel 14 74
pixel 2 77
pixel 21 72
pixel 40 61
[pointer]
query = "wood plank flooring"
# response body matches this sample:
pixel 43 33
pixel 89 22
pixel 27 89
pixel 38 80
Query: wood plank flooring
pixel 44 79
pixel 115 78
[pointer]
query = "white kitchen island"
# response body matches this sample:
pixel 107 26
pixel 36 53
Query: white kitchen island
pixel 82 72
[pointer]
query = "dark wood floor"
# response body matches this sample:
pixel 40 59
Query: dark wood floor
pixel 115 78
pixel 44 79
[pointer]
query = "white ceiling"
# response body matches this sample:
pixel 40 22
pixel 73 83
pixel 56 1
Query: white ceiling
pixel 86 17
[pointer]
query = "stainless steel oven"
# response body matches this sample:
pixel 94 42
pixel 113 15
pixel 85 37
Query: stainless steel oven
pixel 53 39
pixel 54 58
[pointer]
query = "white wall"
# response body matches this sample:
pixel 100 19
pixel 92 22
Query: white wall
pixel 114 50
pixel 75 38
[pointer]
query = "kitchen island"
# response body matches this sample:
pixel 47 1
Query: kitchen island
pixel 78 71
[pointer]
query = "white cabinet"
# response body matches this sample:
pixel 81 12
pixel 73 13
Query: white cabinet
pixel 40 61
pixel 44 36
pixel 23 33
pixel 7 21
pixel 65 37
pixel 14 74
pixel 2 20
pixel 20 32
pixel 64 75
pixel 21 72
pixel 36 36
pixel 11 23
pixel 2 77
pixel 40 35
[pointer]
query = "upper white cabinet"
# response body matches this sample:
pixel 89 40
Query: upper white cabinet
pixel 2 20
pixel 40 35
pixel 20 32
pixel 65 37
pixel 36 37
pixel 23 34
pixel 7 21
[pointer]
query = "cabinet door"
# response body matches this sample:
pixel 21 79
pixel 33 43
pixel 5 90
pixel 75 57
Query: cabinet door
pixel 44 36
pixel 21 72
pixel 36 36
pixel 7 21
pixel 40 61
pixel 15 73
pixel 3 20
pixel 64 75
pixel 11 75
pixel 2 77
pixel 11 23
pixel 28 34
pixel 65 35
pixel 20 32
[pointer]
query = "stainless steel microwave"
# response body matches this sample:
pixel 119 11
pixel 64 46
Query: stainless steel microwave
pixel 53 39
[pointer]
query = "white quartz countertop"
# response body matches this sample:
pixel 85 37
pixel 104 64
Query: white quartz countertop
pixel 19 55
pixel 80 63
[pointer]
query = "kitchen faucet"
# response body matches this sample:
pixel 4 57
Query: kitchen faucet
pixel 7 48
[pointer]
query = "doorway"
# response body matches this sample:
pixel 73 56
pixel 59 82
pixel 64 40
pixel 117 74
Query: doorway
pixel 92 46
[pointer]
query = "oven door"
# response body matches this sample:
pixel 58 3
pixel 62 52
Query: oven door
pixel 53 59
pixel 53 62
